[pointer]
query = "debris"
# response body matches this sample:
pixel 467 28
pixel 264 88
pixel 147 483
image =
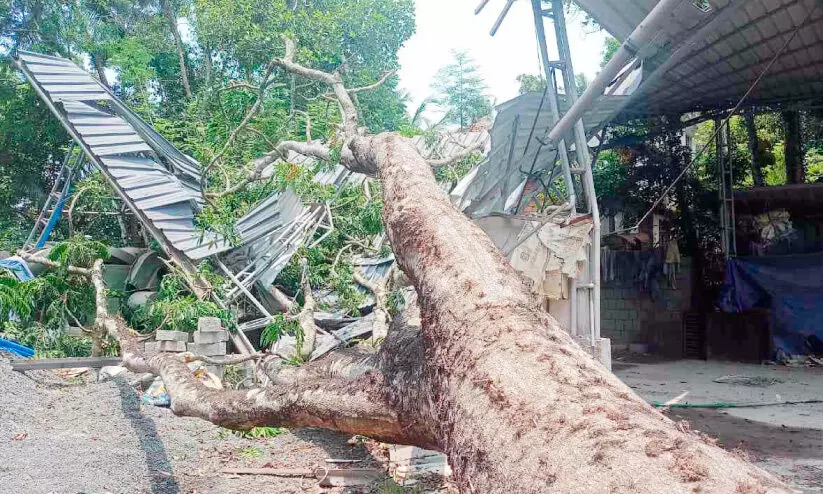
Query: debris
pixel 71 372
pixel 407 463
pixel 337 460
pixel 156 394
pixel 759 381
pixel 110 372
pixel 350 477
pixel 16 348
pixel 276 472
pixel 20 436
pixel 676 399
pixel 171 346
pixel 18 267
pixel 166 335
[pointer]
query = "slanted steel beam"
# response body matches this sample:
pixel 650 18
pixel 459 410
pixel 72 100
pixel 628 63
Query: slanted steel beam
pixel 642 35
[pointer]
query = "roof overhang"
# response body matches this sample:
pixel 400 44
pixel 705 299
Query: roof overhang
pixel 721 50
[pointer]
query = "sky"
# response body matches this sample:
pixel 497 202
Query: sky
pixel 446 25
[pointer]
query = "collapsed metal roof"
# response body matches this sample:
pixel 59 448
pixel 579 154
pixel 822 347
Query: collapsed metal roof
pixel 707 53
pixel 518 151
pixel 145 170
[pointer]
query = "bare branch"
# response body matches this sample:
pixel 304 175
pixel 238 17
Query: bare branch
pixel 238 359
pixel 458 156
pixel 287 63
pixel 306 116
pixel 239 85
pixel 252 111
pixel 383 316
pixel 306 316
pixel 376 85
pixel 54 265
pixel 313 149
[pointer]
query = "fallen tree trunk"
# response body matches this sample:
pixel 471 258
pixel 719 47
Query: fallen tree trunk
pixel 479 372
pixel 486 377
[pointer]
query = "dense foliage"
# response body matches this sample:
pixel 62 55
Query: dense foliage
pixel 194 77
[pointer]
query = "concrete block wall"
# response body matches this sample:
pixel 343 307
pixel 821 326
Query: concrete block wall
pixel 628 315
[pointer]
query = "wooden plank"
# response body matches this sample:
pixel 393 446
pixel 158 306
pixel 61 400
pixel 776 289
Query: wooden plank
pixel 63 363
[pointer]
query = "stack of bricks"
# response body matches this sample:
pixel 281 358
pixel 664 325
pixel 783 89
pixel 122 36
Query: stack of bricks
pixel 168 341
pixel 210 340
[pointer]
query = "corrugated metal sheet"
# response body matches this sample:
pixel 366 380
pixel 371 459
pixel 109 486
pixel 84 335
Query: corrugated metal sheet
pixel 718 68
pixel 516 151
pixel 129 154
pixel 113 144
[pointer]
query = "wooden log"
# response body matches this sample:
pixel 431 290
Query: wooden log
pixel 64 363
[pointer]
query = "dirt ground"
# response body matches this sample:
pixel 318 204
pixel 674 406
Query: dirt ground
pixel 786 440
pixel 59 437
pixel 98 438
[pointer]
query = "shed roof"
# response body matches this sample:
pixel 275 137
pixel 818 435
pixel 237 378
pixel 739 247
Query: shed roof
pixel 726 48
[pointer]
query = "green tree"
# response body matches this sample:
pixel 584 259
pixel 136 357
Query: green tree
pixel 460 90
pixel 609 49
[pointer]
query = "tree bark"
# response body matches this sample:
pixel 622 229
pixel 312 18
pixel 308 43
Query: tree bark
pixel 517 405
pixel 488 378
pixel 795 169
pixel 100 67
pixel 171 17
pixel 480 373
pixel 754 149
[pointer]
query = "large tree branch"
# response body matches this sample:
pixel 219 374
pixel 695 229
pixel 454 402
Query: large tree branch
pixel 376 85
pixel 319 398
pixel 314 149
pixel 306 316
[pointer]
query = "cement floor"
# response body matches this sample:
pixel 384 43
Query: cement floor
pixel 784 439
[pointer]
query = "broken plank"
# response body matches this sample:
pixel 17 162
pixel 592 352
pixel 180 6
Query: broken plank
pixel 275 472
pixel 348 477
pixel 63 363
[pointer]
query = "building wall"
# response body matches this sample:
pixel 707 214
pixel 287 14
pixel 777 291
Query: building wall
pixel 629 315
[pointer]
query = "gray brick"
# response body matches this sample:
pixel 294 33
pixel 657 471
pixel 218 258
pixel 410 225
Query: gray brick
pixel 208 349
pixel 206 324
pixel 210 337
pixel 165 335
pixel 171 346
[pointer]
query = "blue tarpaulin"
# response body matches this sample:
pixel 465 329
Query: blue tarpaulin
pixel 790 287
pixel 17 348
pixel 18 267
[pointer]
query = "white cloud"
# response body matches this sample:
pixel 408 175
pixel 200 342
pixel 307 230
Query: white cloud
pixel 445 25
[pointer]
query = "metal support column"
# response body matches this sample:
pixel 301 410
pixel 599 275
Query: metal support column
pixel 725 186
pixel 584 164
pixel 562 149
